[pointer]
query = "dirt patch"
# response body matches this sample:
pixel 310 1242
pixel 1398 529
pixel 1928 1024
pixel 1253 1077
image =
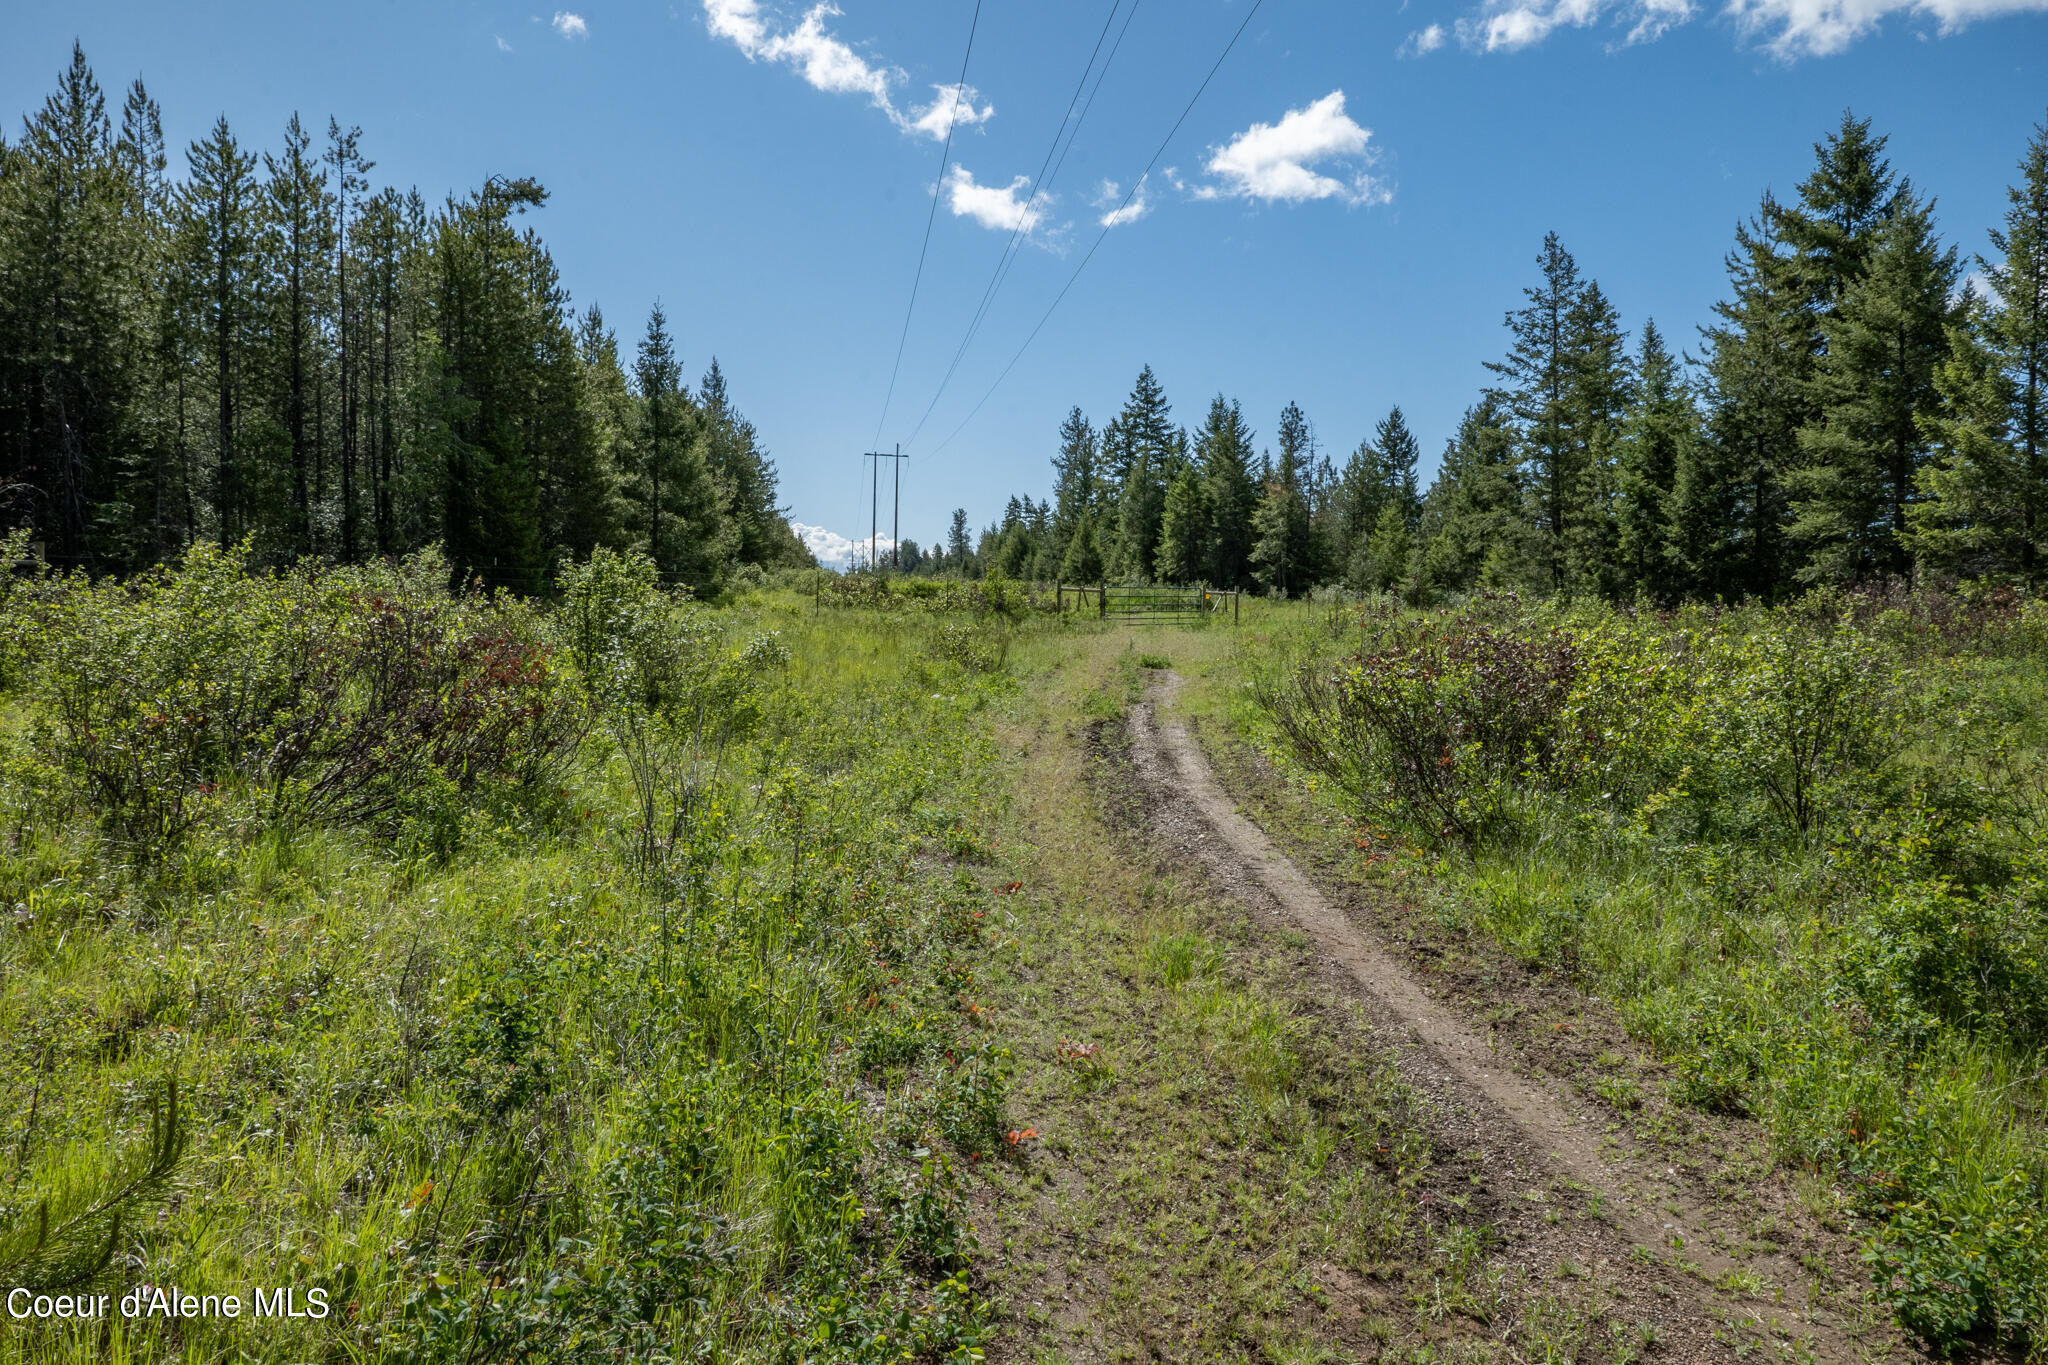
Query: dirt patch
pixel 1571 1193
pixel 1184 1200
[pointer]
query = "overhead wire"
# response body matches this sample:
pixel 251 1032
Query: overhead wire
pixel 1109 220
pixel 1069 128
pixel 945 154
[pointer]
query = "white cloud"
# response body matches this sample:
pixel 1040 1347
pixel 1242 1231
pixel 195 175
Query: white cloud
pixel 1111 195
pixel 503 46
pixel 1978 283
pixel 1424 42
pixel 570 25
pixel 1653 17
pixel 1820 28
pixel 952 107
pixel 828 63
pixel 836 551
pixel 1509 25
pixel 1004 208
pixel 1277 161
pixel 1789 29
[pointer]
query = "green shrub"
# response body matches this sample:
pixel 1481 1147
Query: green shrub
pixel 971 1098
pixel 1926 955
pixel 1799 846
pixel 1799 709
pixel 1434 727
pixel 334 697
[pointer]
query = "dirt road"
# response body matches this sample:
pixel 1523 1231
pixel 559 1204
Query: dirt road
pixel 1680 1257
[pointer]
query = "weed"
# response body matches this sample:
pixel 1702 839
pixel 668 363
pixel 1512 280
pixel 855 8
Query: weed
pixel 1798 846
pixel 1174 960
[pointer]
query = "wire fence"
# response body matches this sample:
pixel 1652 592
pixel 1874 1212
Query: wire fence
pixel 1159 606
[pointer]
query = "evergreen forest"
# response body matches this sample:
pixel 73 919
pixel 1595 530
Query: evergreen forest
pixel 239 343
pixel 1868 403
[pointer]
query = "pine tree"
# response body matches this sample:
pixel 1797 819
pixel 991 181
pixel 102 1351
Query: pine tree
pixel 1185 538
pixel 1354 512
pixel 1138 514
pixel 1399 452
pixel 1475 529
pixel 1600 392
pixel 1539 371
pixel 1843 203
pixel 1387 550
pixel 219 281
pixel 295 359
pixel 678 503
pixel 151 517
pixel 68 339
pixel 1075 491
pixel 350 171
pixel 563 433
pixel 489 323
pixel 959 554
pixel 1137 447
pixel 296 241
pixel 1083 561
pixel 1863 453
pixel 1146 420
pixel 1986 497
pixel 594 504
pixel 746 474
pixel 1223 453
pixel 1280 548
pixel 1792 267
pixel 1729 498
pixel 390 244
pixel 1657 437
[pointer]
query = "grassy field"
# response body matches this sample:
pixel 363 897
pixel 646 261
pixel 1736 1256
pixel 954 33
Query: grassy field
pixel 794 980
pixel 1798 851
pixel 642 1025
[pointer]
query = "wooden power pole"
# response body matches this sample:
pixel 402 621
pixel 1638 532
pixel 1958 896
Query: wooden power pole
pixel 875 508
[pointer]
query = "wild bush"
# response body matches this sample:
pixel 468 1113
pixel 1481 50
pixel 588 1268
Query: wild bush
pixel 1801 707
pixel 1433 728
pixel 977 651
pixel 521 1102
pixel 1799 846
pixel 333 698
pixel 665 686
pixel 1446 726
pixel 403 693
pixel 1926 954
pixel 991 596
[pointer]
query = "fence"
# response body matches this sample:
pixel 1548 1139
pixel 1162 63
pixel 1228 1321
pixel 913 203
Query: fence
pixel 1153 606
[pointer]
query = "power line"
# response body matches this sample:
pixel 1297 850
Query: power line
pixel 1039 186
pixel 1109 220
pixel 945 154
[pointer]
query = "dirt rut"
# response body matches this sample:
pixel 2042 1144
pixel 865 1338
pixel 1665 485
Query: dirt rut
pixel 1655 1233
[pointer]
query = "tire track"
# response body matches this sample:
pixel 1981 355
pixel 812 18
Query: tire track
pixel 1518 1125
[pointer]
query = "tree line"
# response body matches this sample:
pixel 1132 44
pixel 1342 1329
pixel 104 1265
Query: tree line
pixel 270 349
pixel 1860 407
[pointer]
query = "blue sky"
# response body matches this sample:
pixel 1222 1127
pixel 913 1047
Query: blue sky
pixel 1341 221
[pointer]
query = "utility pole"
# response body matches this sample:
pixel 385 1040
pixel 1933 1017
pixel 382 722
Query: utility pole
pixel 875 506
pixel 896 516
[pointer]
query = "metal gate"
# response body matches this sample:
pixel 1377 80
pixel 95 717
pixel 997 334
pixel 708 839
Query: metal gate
pixel 1153 606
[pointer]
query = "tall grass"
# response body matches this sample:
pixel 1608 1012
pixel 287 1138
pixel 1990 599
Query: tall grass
pixel 633 1036
pixel 1799 847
